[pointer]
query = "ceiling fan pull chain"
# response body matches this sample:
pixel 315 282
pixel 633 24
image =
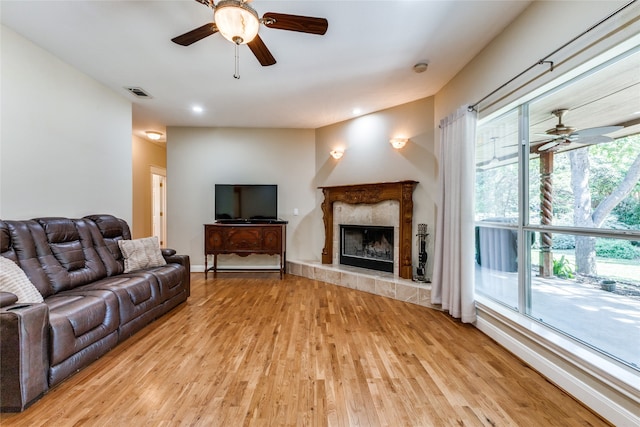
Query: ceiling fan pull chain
pixel 236 74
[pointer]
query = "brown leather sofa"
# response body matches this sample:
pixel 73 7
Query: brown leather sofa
pixel 89 306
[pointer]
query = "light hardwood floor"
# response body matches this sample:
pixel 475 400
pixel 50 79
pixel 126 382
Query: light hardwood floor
pixel 255 350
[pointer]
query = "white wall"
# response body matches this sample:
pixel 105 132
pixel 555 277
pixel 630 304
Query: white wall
pixel 370 158
pixel 65 143
pixel 198 158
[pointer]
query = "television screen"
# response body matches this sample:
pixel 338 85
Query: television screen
pixel 246 202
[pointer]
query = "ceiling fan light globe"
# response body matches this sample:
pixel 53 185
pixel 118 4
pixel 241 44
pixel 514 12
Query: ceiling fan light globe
pixel 237 21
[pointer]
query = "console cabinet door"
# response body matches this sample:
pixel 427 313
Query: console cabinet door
pixel 271 239
pixel 244 238
pixel 214 240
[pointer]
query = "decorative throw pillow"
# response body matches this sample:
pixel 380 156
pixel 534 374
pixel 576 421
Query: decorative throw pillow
pixel 141 253
pixel 14 280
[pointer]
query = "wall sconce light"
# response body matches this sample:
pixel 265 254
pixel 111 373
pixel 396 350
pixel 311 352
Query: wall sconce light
pixel 153 135
pixel 336 154
pixel 398 143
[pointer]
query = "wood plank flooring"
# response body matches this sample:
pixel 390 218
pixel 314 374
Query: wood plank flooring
pixel 253 350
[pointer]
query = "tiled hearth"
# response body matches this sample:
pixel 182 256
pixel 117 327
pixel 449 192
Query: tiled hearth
pixel 374 282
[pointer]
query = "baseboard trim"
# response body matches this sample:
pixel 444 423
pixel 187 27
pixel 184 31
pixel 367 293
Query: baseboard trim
pixel 231 268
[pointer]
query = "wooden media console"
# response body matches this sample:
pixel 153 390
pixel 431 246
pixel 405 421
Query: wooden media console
pixel 244 239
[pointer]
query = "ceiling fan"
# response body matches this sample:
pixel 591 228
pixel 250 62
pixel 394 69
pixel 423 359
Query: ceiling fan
pixel 495 160
pixel 562 135
pixel 239 23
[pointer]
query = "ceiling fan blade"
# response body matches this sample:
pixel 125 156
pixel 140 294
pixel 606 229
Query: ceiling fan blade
pixel 593 140
pixel 483 163
pixel 541 141
pixel 302 24
pixel 193 36
pixel 261 51
pixel 548 145
pixel 603 130
pixel 205 2
pixel 508 156
pixel 496 159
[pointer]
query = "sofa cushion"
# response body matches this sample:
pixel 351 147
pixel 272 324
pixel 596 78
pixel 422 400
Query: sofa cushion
pixel 78 318
pixel 170 279
pixel 107 231
pixel 107 248
pixel 67 254
pixel 110 227
pixel 136 293
pixel 21 246
pixel 141 253
pixel 64 240
pixel 14 280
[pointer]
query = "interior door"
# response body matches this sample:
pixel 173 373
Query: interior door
pixel 159 204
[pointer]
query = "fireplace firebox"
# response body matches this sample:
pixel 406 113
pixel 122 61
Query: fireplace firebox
pixel 367 246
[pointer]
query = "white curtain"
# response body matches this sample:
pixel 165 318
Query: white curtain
pixel 454 266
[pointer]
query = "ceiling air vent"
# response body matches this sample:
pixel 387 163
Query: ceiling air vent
pixel 139 92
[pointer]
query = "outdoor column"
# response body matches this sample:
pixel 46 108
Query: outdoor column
pixel 546 212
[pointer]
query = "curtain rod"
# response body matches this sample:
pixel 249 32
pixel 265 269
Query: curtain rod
pixel 546 60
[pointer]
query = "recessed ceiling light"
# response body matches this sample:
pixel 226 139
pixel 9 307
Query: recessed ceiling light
pixel 197 109
pixel 356 111
pixel 153 135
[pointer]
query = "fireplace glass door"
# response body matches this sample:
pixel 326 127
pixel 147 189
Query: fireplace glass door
pixel 367 246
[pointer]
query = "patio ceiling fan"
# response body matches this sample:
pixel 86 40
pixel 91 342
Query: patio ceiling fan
pixel 562 135
pixel 239 23
pixel 495 160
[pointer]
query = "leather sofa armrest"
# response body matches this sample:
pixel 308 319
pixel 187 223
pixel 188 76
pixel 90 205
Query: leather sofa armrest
pixel 186 263
pixel 166 252
pixel 7 298
pixel 24 360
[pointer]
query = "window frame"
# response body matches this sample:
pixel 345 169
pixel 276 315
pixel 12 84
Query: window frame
pixel 613 372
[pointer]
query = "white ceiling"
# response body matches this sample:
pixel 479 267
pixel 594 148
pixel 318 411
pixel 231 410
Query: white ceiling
pixel 364 61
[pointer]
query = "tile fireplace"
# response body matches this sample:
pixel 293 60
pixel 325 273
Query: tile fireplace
pixel 372 194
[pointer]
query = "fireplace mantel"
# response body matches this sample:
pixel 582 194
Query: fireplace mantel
pixel 401 191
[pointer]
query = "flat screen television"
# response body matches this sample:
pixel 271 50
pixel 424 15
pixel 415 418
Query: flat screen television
pixel 235 202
